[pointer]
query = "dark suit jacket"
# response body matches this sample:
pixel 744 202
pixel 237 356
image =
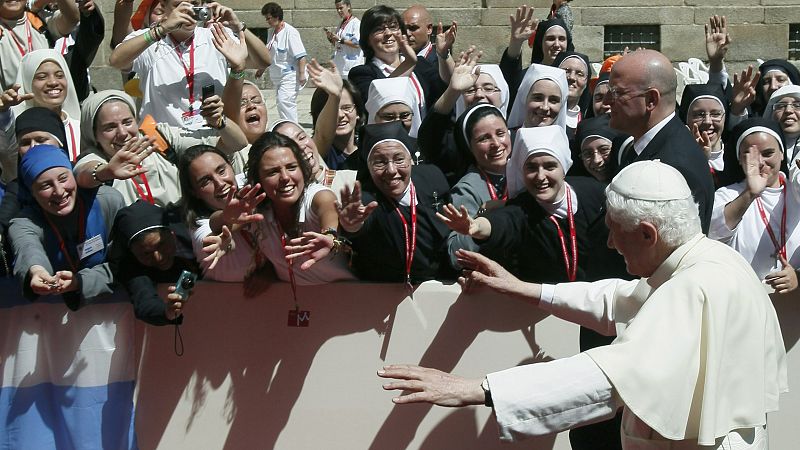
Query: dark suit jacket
pixel 361 76
pixel 674 145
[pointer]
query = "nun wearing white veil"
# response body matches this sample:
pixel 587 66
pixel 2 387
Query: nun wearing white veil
pixel 541 99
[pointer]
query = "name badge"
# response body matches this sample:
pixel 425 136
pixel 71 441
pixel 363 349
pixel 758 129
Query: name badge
pixel 193 120
pixel 90 246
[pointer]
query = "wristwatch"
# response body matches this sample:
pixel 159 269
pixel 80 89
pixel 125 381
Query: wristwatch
pixel 487 394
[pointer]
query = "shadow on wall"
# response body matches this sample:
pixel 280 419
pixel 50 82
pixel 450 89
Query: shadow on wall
pixel 249 381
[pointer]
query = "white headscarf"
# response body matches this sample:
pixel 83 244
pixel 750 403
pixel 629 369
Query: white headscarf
pixel 551 140
pixel 493 70
pixel 27 69
pixel 789 90
pixel 536 72
pixel 385 91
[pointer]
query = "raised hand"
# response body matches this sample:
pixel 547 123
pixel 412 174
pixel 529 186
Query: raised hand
pixel 480 271
pixel 406 50
pixel 465 74
pixel 181 16
pixel 744 89
pixel 127 162
pixel 702 138
pixel 352 213
pixel 445 39
pixel 212 109
pixel 755 176
pixel 523 24
pixel 234 52
pixel 329 81
pixel 11 97
pixel 424 385
pixel 315 245
pixel 224 15
pixel 456 219
pixel 717 39
pixel 241 204
pixel 217 246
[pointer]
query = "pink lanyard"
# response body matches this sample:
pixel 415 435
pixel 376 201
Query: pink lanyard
pixel 410 241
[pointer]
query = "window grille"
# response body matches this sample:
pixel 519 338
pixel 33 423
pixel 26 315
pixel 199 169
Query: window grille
pixel 617 37
pixel 794 41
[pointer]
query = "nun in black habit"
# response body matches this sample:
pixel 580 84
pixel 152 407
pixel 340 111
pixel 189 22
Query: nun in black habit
pixel 390 217
pixel 151 245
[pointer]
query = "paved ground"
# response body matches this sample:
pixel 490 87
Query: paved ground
pixel 303 104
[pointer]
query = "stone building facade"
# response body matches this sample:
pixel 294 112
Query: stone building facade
pixel 759 28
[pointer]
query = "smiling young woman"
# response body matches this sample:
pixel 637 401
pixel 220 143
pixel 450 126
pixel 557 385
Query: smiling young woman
pixel 60 241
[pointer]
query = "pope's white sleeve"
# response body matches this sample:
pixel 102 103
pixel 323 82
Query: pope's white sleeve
pixel 591 305
pixel 544 398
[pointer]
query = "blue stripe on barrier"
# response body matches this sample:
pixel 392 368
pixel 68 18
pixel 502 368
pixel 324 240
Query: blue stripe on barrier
pixel 47 416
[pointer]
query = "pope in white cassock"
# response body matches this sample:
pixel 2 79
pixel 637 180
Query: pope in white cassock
pixel 698 361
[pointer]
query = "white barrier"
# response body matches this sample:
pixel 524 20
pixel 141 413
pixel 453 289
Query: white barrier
pixel 248 381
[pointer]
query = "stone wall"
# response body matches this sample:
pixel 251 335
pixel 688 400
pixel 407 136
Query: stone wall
pixel 759 28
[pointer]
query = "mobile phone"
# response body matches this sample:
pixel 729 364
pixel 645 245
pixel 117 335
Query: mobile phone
pixel 208 91
pixel 185 284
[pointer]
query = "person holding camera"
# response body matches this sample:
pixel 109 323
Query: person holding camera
pixel 152 245
pixel 177 57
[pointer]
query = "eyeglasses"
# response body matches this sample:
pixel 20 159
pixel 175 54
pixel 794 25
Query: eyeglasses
pixel 577 73
pixel 616 96
pixel 252 101
pixel 391 117
pixel 486 89
pixel 379 165
pixel 701 116
pixel 347 108
pixel 588 154
pixel 393 27
pixel 781 107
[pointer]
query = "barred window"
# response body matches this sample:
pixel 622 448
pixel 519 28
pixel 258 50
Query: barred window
pixel 617 37
pixel 794 41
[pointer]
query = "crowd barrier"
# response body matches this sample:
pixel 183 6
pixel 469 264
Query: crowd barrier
pixel 247 380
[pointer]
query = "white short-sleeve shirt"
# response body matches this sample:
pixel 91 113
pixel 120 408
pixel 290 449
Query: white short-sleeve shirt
pixel 285 48
pixel 162 69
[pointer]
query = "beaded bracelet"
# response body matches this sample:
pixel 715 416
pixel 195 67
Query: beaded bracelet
pixel 94 172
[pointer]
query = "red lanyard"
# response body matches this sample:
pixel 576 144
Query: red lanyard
pixel 290 263
pixel 411 242
pixel 345 22
pixel 275 36
pixel 64 45
pixel 73 146
pixel 490 186
pixel 189 71
pixel 81 234
pixel 148 197
pixel 428 51
pixel 572 268
pixel 21 49
pixel 251 241
pixel 780 247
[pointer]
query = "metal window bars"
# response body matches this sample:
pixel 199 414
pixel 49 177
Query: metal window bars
pixel 617 37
